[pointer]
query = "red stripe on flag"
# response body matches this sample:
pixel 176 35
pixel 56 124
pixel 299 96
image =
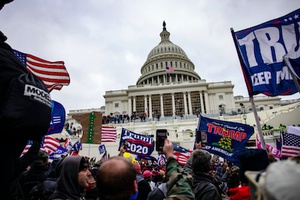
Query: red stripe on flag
pixel 108 134
pixel 53 74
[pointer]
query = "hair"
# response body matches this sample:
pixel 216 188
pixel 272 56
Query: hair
pixel 115 179
pixel 201 161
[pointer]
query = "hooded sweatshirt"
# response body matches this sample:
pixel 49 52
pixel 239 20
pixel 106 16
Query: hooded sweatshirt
pixel 67 182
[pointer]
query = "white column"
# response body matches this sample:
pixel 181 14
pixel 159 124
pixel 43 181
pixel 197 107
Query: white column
pixel 161 105
pixel 185 104
pixel 146 107
pixel 150 107
pixel 190 103
pixel 208 110
pixel 129 106
pixel 173 105
pixel 134 104
pixel 201 102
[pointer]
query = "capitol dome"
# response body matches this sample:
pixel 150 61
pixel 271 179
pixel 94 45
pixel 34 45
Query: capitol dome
pixel 167 55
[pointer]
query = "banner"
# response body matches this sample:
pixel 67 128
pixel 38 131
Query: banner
pixel 137 144
pixel 91 126
pixel 261 50
pixel 273 150
pixel 224 138
pixel 58 117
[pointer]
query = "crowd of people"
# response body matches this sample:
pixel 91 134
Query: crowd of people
pixel 202 177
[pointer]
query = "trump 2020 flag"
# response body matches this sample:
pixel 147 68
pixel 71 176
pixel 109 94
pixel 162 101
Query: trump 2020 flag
pixel 138 144
pixel 261 50
pixel 58 117
pixel 224 138
pixel 53 74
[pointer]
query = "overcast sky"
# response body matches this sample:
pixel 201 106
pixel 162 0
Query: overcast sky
pixel 104 43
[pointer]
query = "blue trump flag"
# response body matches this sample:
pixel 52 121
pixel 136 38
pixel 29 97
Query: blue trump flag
pixel 58 117
pixel 224 138
pixel 77 146
pixel 102 149
pixel 261 50
pixel 138 144
pixel 58 153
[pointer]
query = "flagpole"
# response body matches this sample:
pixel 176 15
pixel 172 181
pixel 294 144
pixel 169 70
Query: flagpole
pixel 89 149
pixel 258 125
pixel 292 72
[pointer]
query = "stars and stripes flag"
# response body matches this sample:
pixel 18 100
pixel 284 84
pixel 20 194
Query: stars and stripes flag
pixel 50 144
pixel 291 142
pixel 53 74
pixel 108 134
pixel 27 147
pixel 169 69
pixel 68 144
pixel 181 154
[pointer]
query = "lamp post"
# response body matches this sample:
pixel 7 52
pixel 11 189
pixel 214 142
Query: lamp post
pixel 220 109
pixel 244 113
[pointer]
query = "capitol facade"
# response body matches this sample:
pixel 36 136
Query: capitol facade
pixel 170 87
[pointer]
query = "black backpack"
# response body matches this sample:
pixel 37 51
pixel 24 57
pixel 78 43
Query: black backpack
pixel 25 103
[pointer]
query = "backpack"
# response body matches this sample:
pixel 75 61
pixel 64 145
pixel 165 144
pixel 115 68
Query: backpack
pixel 25 109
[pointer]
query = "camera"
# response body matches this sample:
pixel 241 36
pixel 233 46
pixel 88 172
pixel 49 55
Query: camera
pixel 161 135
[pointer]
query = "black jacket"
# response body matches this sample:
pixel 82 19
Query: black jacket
pixel 204 188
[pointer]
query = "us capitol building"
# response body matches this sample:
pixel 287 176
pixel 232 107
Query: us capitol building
pixel 177 91
pixel 171 95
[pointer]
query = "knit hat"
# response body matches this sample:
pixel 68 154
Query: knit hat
pixel 83 164
pixel 146 174
pixel 252 160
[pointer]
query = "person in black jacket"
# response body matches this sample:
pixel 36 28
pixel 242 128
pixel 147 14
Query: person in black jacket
pixel 37 173
pixel 204 185
pixel 73 179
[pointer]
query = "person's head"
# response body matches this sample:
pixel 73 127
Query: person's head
pixel 84 173
pixel 201 161
pixel 92 178
pixel 116 179
pixel 138 168
pixel 73 173
pixel 234 170
pixel 42 159
pixel 147 175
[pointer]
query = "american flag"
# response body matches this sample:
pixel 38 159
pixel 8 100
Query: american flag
pixel 27 147
pixel 291 142
pixel 53 74
pixel 181 154
pixel 50 144
pixel 108 134
pixel 169 69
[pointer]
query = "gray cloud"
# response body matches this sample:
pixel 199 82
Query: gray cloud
pixel 105 43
